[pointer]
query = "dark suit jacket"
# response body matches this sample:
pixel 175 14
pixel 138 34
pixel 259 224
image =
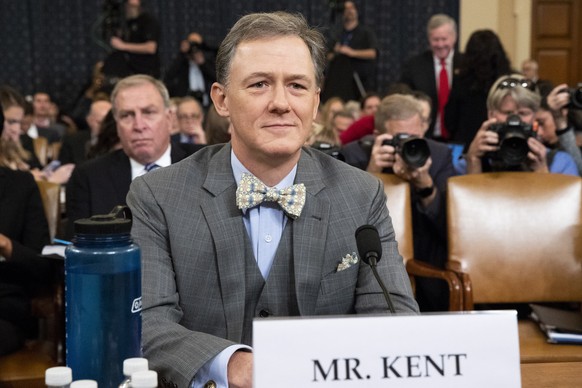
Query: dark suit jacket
pixel 428 224
pixel 22 219
pixel 74 148
pixel 27 143
pixel 192 237
pixel 466 110
pixel 54 133
pixel 418 73
pixel 98 185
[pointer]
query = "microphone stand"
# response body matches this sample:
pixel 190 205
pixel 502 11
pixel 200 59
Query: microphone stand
pixel 372 262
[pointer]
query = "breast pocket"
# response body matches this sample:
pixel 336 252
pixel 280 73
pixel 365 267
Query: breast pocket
pixel 337 291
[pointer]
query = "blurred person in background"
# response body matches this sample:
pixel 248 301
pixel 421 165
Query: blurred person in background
pixel 193 71
pixel 23 232
pixel 483 62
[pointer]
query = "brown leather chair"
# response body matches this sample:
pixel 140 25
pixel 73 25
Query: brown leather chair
pixel 516 237
pixel 399 205
pixel 50 194
pixel 53 150
pixel 26 367
pixel 41 149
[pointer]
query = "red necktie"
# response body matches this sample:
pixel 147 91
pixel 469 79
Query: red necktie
pixel 443 97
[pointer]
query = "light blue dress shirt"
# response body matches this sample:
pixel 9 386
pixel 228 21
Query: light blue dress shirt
pixel 264 224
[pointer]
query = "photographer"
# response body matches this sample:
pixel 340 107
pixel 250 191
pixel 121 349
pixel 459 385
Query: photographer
pixel 135 43
pixel 508 96
pixel 403 114
pixel 557 103
pixel 193 71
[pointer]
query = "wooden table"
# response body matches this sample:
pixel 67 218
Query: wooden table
pixel 547 365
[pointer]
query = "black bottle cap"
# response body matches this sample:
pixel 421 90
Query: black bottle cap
pixel 118 221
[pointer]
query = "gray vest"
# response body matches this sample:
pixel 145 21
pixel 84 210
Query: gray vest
pixel 277 295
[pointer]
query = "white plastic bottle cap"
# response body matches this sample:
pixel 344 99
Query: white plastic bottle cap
pixel 144 379
pixel 84 384
pixel 58 376
pixel 132 365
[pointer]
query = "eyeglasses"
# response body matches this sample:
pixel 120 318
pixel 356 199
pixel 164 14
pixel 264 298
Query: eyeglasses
pixel 189 117
pixel 510 83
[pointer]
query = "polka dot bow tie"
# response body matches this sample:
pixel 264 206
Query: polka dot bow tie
pixel 252 192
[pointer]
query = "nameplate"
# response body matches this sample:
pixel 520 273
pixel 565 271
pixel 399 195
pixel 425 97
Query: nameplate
pixel 473 349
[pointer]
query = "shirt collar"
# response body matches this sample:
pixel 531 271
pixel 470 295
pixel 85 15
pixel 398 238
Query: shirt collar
pixel 138 169
pixel 238 169
pixel 448 59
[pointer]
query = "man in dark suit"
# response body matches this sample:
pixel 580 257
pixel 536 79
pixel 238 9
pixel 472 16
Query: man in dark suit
pixel 75 146
pixel 190 118
pixel 141 110
pixel 215 256
pixel 41 124
pixel 193 71
pixel 422 72
pixel 402 114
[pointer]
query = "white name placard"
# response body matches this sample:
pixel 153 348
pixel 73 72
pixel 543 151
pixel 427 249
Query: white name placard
pixel 474 349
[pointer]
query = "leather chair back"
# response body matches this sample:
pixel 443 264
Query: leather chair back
pixel 516 237
pixel 41 149
pixel 50 195
pixel 398 201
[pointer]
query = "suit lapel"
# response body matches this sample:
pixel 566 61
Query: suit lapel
pixel 308 231
pixel 228 233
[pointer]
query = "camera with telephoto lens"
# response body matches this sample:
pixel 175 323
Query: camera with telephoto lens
pixel 330 149
pixel 412 149
pixel 513 135
pixel 112 18
pixel 195 47
pixel 575 96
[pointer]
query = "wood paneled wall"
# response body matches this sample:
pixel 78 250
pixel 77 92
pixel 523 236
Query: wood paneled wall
pixel 557 39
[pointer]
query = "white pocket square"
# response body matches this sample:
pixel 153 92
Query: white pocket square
pixel 348 261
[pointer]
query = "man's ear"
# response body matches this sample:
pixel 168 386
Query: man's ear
pixel 317 98
pixel 218 95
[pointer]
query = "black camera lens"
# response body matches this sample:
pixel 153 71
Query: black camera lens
pixel 576 97
pixel 513 135
pixel 513 149
pixel 330 149
pixel 415 152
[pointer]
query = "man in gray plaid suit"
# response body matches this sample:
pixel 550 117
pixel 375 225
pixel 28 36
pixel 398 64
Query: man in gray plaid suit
pixel 258 227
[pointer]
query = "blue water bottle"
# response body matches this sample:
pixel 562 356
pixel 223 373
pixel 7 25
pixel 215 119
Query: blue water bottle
pixel 103 297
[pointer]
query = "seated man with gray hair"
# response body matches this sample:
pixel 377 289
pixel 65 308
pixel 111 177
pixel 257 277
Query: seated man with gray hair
pixel 400 116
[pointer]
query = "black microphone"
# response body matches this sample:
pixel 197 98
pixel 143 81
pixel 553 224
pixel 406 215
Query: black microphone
pixel 370 250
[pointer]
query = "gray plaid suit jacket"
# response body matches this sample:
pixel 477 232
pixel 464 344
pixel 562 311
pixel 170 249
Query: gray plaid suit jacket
pixel 192 238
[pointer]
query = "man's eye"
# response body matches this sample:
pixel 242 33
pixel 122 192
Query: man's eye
pixel 260 84
pixel 297 86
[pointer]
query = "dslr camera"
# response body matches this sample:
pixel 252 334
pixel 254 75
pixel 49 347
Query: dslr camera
pixel 575 96
pixel 412 149
pixel 513 135
pixel 195 47
pixel 330 149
